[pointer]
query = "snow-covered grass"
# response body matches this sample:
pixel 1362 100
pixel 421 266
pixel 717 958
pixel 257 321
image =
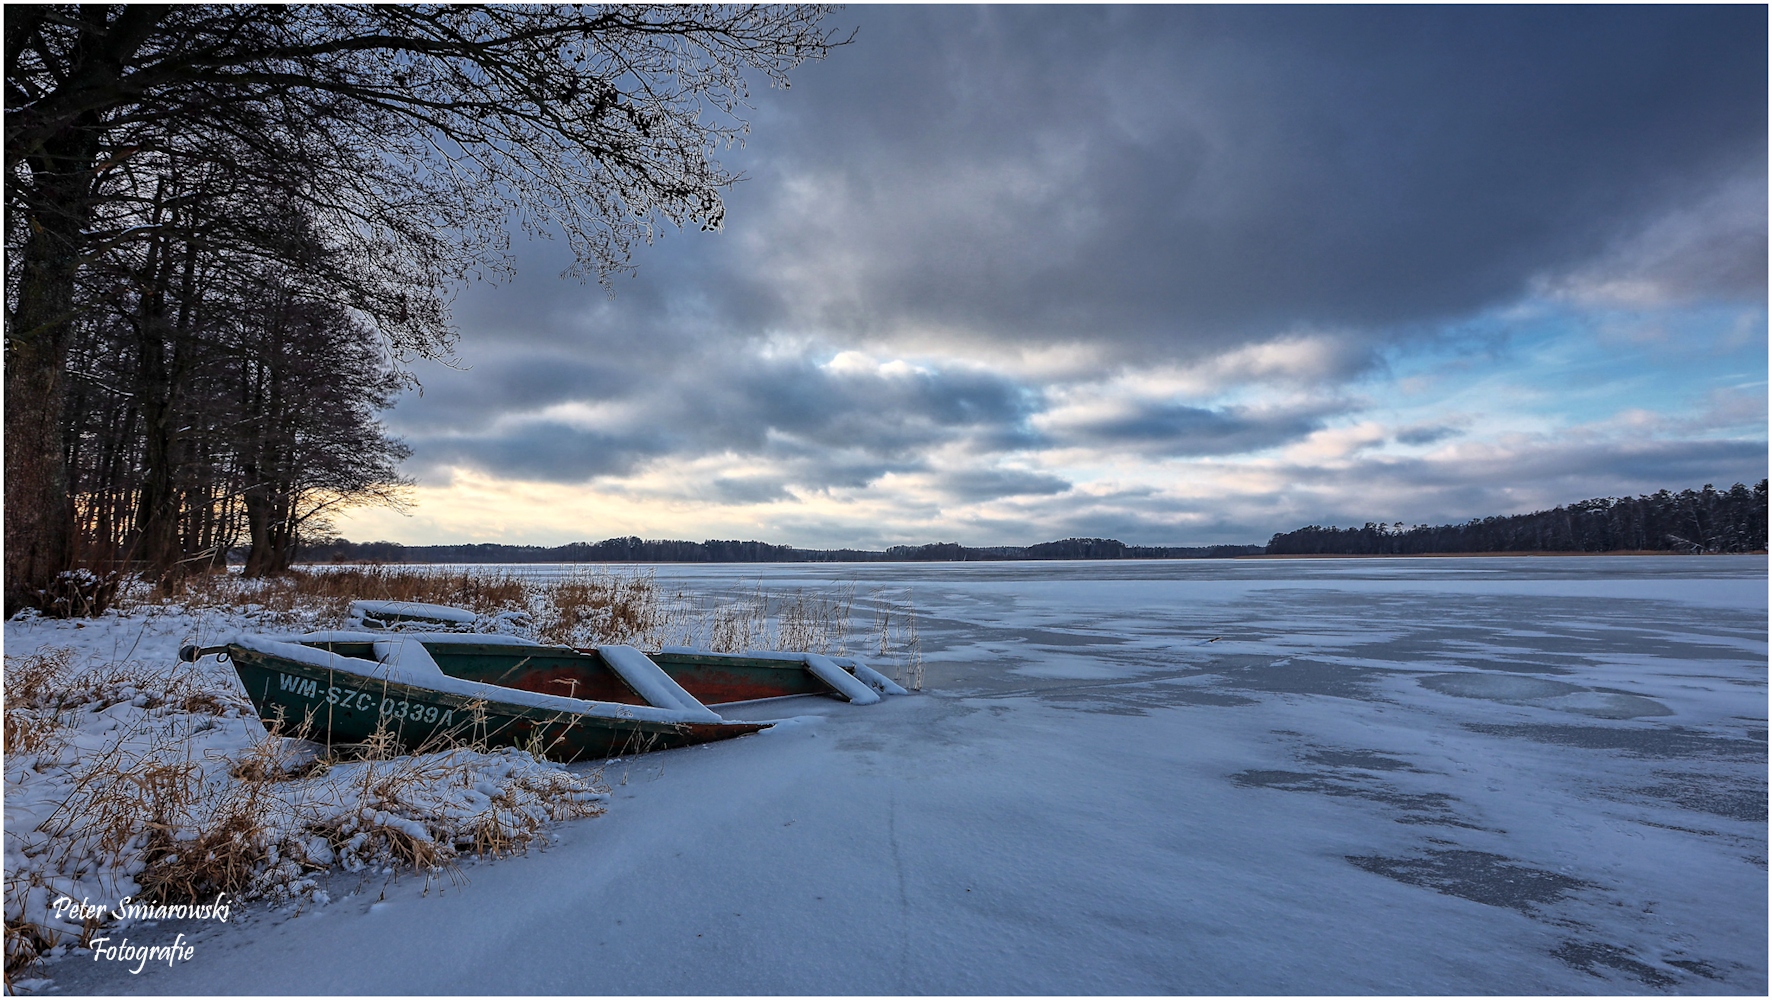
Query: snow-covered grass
pixel 147 778
pixel 132 774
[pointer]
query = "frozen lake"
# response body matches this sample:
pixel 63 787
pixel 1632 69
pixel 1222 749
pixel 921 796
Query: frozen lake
pixel 1483 775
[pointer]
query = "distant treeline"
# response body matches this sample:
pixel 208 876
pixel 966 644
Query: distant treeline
pixel 1692 521
pixel 623 550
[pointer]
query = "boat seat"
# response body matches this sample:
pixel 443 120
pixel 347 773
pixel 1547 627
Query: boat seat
pixel 406 661
pixel 838 679
pixel 650 682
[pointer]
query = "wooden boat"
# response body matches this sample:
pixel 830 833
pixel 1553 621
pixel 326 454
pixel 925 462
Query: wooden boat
pixel 441 689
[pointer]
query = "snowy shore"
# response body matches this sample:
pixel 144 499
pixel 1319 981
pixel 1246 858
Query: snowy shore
pixel 1297 776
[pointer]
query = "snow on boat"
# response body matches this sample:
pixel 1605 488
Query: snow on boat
pixel 442 688
pixel 416 616
pixel 381 614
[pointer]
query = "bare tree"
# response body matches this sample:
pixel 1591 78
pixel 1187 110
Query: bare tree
pixel 310 380
pixel 245 390
pixel 408 134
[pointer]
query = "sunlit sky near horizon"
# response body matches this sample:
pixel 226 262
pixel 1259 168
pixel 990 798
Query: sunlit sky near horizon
pixel 1170 275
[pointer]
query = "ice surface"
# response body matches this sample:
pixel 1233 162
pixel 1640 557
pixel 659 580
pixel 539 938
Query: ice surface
pixel 1519 689
pixel 1092 796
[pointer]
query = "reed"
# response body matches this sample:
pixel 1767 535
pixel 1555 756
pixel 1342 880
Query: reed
pixel 593 606
pixel 894 640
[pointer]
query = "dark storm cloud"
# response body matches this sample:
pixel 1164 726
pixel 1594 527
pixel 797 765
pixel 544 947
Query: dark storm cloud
pixel 1136 515
pixel 973 485
pixel 545 450
pixel 881 412
pixel 1712 249
pixel 1178 430
pixel 1191 176
pixel 749 490
pixel 1425 434
pixel 1632 465
pixel 835 424
pixel 511 378
pixel 1173 179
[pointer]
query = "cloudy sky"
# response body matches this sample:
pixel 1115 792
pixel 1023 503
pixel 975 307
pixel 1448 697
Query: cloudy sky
pixel 1174 276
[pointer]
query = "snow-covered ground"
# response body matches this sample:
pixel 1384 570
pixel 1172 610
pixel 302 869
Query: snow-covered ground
pixel 1288 776
pixel 127 770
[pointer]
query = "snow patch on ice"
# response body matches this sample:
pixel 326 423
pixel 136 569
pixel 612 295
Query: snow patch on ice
pixel 795 723
pixel 1518 689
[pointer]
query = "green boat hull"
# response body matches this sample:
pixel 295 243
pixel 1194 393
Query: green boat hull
pixel 338 707
pixel 581 673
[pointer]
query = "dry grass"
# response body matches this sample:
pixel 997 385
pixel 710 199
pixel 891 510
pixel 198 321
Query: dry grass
pixel 125 796
pixel 41 686
pixel 31 723
pixel 813 623
pixel 309 595
pixel 593 606
pixel 79 593
pixel 797 621
pixel 738 623
pixel 481 591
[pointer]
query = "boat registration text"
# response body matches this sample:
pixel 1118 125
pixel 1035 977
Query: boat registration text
pixel 363 701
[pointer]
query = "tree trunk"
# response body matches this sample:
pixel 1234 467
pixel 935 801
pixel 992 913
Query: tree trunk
pixel 157 512
pixel 39 511
pixel 259 558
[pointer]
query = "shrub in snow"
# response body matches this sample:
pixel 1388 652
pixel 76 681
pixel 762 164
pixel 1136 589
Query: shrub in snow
pixel 78 593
